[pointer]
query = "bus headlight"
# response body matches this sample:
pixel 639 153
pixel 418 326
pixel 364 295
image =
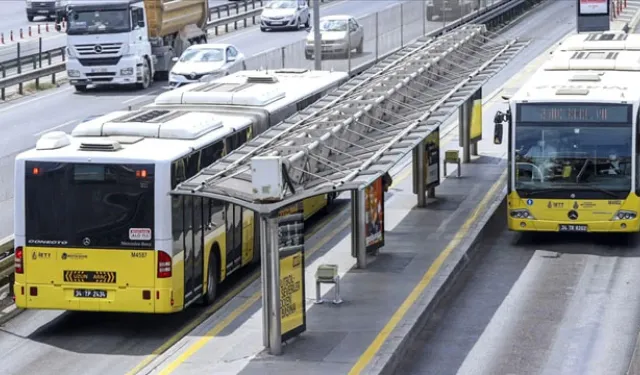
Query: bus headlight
pixel 625 215
pixel 521 213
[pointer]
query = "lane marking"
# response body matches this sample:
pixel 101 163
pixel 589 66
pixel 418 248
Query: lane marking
pixel 233 293
pixel 56 92
pixel 425 281
pixel 143 96
pixel 54 128
pixel 219 327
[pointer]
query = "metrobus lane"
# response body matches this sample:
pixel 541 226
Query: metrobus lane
pixel 537 304
pixel 61 109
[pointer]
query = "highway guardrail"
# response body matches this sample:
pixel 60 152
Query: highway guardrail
pixel 495 15
pixel 225 15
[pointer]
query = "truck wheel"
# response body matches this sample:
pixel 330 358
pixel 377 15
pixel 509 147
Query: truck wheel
pixel 81 88
pixel 30 18
pixel 146 77
pixel 212 280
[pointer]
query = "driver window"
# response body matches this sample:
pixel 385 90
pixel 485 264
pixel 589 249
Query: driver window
pixel 139 12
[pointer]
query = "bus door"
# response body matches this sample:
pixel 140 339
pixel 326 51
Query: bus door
pixel 234 236
pixel 193 258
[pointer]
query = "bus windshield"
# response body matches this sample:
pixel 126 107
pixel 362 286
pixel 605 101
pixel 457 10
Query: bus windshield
pixel 586 153
pixel 105 206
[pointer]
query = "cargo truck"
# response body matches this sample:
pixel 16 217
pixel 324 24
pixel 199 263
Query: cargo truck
pixel 129 42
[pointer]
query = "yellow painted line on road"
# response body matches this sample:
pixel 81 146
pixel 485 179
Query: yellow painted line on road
pixel 428 276
pixel 215 307
pixel 193 348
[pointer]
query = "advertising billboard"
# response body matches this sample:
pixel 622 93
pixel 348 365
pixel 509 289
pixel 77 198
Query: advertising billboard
pixel 293 319
pixel 600 7
pixel 374 215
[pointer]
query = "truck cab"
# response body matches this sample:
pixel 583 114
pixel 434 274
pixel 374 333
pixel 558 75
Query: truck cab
pixel 128 42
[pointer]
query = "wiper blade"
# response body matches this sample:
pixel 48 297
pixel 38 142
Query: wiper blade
pixel 532 193
pixel 605 191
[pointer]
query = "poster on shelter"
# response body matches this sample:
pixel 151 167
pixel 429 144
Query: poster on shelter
pixel 475 131
pixel 374 215
pixel 293 320
pixel 432 154
pixel 599 7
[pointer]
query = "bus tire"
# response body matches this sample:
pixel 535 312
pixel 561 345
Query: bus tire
pixel 212 279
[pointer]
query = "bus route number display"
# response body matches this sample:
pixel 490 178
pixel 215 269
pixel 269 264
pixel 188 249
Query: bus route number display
pixel 574 113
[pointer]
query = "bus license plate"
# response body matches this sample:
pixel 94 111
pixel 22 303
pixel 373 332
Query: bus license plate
pixel 573 228
pixel 89 293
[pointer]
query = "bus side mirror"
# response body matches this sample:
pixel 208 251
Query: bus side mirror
pixel 497 133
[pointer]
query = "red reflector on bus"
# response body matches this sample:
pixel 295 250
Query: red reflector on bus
pixel 33 291
pixel 141 173
pixel 146 294
pixel 18 257
pixel 36 171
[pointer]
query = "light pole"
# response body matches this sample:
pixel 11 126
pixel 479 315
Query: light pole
pixel 317 42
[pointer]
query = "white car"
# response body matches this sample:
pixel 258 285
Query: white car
pixel 339 34
pixel 285 14
pixel 202 62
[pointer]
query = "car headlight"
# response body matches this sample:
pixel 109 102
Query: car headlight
pixel 624 215
pixel 521 213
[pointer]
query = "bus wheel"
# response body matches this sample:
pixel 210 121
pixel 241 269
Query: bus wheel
pixel 212 280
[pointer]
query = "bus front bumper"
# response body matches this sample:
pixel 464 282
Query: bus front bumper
pixel 621 226
pixel 62 297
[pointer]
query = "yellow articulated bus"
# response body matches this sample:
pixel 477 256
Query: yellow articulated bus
pixel 572 140
pixel 95 226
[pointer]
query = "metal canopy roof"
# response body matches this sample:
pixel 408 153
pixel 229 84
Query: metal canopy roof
pixel 352 136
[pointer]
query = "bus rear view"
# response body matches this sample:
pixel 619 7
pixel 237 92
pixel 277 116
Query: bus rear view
pixel 87 241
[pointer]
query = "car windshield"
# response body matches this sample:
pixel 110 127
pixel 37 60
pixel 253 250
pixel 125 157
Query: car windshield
pixel 282 5
pixel 203 55
pixel 98 21
pixel 573 155
pixel 333 25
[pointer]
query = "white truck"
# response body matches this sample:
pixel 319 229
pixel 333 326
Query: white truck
pixel 129 42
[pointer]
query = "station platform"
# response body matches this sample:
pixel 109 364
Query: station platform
pixel 423 248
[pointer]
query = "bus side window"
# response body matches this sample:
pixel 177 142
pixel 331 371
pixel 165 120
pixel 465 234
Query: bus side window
pixel 242 137
pixel 193 164
pixel 178 174
pixel 211 154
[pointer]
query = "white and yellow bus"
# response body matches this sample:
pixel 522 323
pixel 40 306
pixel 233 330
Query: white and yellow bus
pixel 95 226
pixel 573 140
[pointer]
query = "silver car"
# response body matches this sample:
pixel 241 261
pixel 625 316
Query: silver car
pixel 202 62
pixel 339 35
pixel 285 14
